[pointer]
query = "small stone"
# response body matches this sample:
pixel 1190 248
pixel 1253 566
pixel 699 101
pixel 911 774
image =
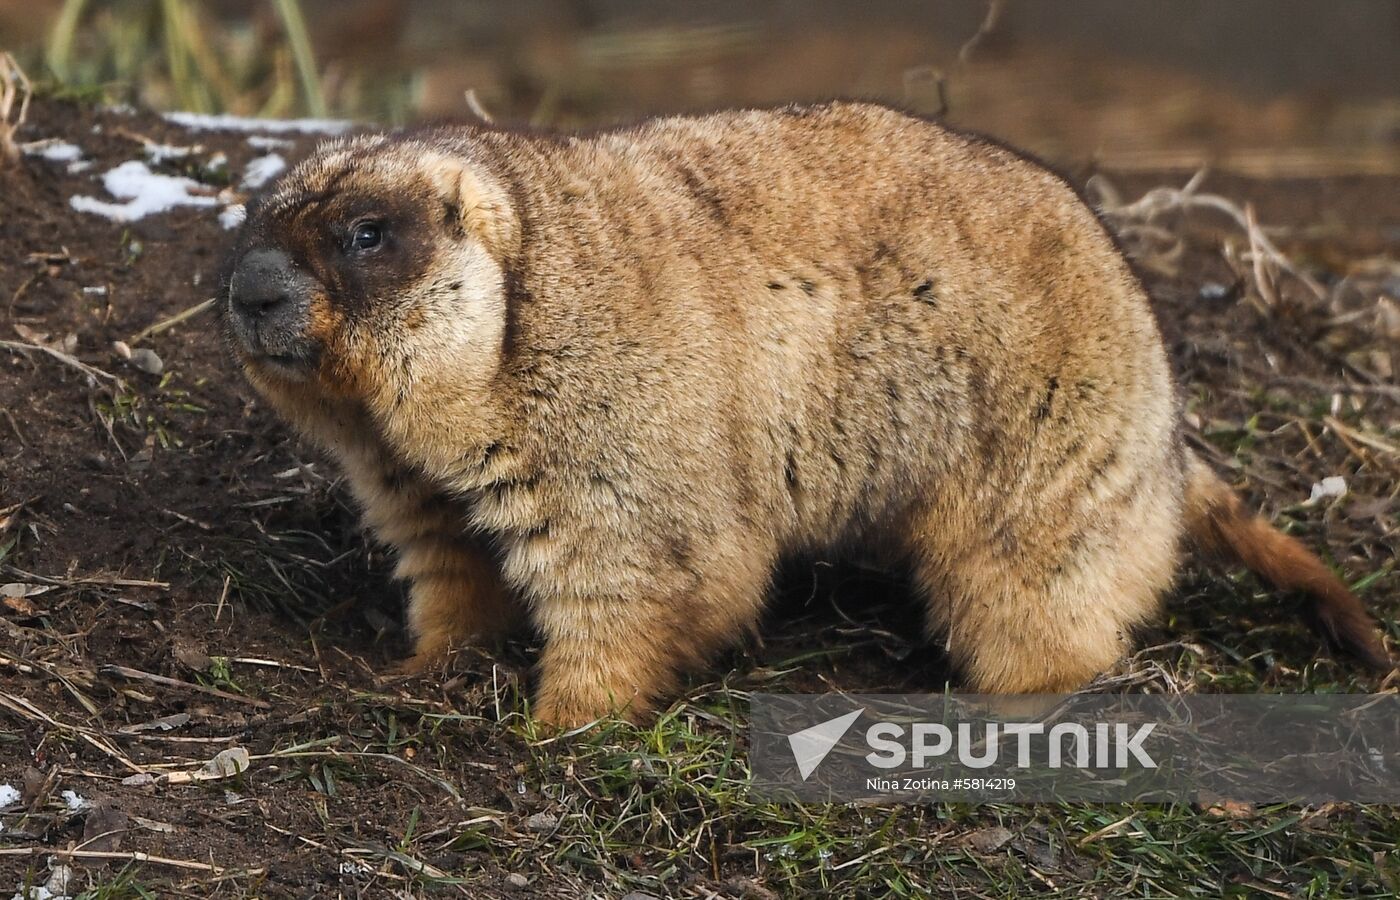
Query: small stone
pixel 34 783
pixel 226 763
pixel 517 881
pixel 17 590
pixel 191 655
pixel 103 828
pixel 1214 291
pixel 542 821
pixel 147 361
pixel 989 840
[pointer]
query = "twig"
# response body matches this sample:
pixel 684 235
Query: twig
pixel 1160 200
pixel 270 663
pixel 28 667
pixel 292 753
pixel 152 678
pixel 223 596
pixel 1107 830
pixel 203 526
pixel 100 580
pixel 14 85
pixel 333 850
pixel 1361 437
pixel 410 865
pixel 91 371
pixel 180 739
pixel 127 856
pixel 474 104
pixel 26 710
pixel 174 320
pixel 14 426
pixel 19 291
pixel 989 24
pixel 1389 392
pixel 1262 279
pixel 107 421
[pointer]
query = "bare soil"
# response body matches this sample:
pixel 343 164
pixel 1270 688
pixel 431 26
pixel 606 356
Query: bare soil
pixel 175 529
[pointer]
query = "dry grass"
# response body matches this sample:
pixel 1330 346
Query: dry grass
pixel 1361 299
pixel 442 785
pixel 15 92
pixel 186 57
pixel 1138 221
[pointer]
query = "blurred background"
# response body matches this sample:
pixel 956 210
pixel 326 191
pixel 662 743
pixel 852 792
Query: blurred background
pixel 1262 87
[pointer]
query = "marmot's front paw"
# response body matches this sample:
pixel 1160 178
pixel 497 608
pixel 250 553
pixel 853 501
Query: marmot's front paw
pixel 417 664
pixel 564 715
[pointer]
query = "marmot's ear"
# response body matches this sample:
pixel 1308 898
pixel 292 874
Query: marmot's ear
pixel 477 204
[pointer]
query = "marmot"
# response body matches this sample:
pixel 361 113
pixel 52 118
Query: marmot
pixel 608 380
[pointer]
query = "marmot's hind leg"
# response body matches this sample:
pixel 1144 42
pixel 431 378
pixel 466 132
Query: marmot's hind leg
pixel 1030 610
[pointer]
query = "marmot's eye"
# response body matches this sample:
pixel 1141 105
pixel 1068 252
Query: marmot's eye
pixel 366 236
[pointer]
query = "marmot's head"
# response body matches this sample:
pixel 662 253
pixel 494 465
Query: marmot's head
pixel 376 263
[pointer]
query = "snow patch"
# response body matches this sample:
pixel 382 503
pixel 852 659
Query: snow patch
pixel 260 171
pixel 38 892
pixel 56 888
pixel 144 191
pixel 75 801
pixel 53 150
pixel 262 142
pixel 232 216
pixel 159 153
pixel 1331 486
pixel 217 163
pixel 225 122
pixel 8 794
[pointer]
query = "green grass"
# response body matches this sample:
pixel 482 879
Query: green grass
pixel 179 54
pixel 653 808
pixel 125 885
pixel 645 808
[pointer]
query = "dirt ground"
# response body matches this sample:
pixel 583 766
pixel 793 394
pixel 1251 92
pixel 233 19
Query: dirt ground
pixel 183 577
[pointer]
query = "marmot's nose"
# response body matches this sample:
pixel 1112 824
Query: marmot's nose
pixel 263 284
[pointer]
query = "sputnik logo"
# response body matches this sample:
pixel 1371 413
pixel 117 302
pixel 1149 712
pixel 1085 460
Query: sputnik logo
pixel 811 745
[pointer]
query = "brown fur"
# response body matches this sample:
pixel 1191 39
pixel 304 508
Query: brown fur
pixel 1220 525
pixel 611 379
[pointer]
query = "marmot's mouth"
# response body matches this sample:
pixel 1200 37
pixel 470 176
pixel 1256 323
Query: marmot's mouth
pixel 270 340
pixel 288 368
pixel 294 362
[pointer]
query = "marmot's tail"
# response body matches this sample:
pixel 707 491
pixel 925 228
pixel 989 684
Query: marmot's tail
pixel 1220 524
